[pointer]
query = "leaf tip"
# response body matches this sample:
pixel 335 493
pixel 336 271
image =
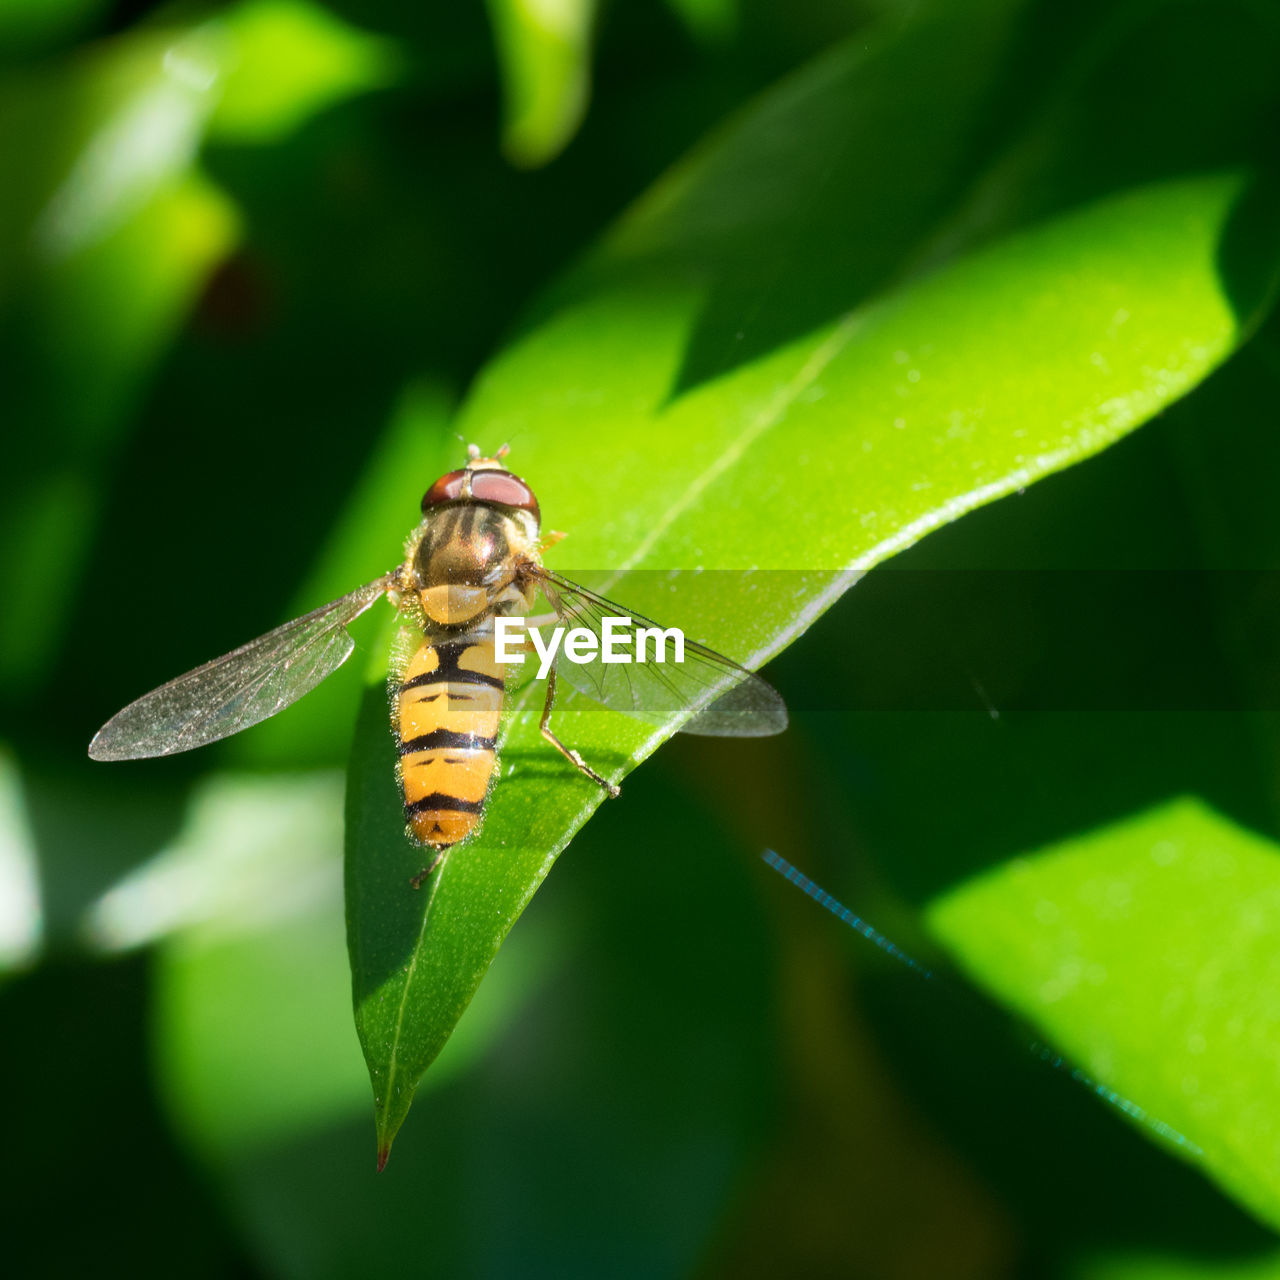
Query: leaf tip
pixel 384 1154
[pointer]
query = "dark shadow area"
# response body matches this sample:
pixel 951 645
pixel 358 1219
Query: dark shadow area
pixel 1024 707
pixel 889 165
pixel 996 642
pixel 1081 1178
pixel 384 915
pixel 1076 1176
pixel 89 831
pixel 845 176
pixel 93 1145
pixel 990 712
pixel 1247 259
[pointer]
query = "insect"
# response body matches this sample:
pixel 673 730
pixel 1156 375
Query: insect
pixel 475 557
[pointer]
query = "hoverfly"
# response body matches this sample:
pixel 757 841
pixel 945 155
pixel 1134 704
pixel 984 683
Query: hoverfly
pixel 476 556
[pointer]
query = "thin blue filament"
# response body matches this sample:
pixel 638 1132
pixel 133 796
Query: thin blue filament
pixel 841 912
pixel 1108 1095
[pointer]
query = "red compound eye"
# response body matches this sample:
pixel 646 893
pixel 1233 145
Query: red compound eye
pixel 486 486
pixel 446 489
pixel 502 487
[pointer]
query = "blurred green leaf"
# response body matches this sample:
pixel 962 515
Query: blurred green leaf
pixel 365 540
pixel 89 141
pixel 246 906
pixel 933 398
pixel 232 1013
pixel 21 916
pixel 255 1054
pixel 544 47
pixel 711 20
pixel 288 60
pixel 1149 950
pixel 1148 1266
pixel 105 234
pixel 250 851
pixel 30 26
pixel 77 378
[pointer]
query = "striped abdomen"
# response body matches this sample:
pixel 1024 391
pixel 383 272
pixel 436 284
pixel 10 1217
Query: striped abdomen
pixel 447 714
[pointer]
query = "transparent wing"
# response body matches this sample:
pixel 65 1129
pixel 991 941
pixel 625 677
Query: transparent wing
pixel 728 701
pixel 240 688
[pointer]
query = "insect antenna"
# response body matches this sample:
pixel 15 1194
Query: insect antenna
pixel 1040 1050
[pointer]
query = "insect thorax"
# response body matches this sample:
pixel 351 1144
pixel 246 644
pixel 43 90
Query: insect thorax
pixel 467 562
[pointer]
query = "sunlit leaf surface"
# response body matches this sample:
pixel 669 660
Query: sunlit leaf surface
pixel 811 414
pixel 1150 951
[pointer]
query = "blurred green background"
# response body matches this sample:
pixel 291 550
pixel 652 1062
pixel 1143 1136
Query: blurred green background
pixel 251 257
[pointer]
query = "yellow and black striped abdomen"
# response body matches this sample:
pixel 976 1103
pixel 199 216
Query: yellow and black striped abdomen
pixel 447 714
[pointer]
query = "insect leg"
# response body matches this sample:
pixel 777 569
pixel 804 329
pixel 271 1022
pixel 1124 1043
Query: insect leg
pixel 572 756
pixel 425 874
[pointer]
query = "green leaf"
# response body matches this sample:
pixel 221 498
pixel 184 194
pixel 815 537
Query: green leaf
pixel 364 539
pixel 288 60
pixel 249 963
pixel 21 916
pixel 710 20
pixel 31 26
pixel 1149 951
pixel 1156 1266
pixel 544 47
pixel 748 376
pixel 262 1077
pixel 106 234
